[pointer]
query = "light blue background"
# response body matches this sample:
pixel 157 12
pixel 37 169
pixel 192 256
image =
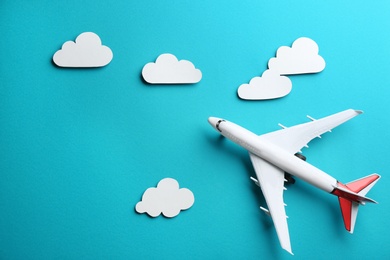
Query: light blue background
pixel 80 146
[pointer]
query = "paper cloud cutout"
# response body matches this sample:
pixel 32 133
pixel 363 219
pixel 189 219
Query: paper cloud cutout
pixel 269 86
pixel 301 58
pixel 167 199
pixel 169 70
pixel 86 52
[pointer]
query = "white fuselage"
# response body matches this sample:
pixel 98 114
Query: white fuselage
pixel 275 155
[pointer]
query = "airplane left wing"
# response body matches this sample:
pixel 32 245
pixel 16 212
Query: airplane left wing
pixel 294 138
pixel 271 182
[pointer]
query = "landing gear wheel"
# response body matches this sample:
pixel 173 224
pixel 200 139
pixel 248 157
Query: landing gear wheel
pixel 300 156
pixel 289 178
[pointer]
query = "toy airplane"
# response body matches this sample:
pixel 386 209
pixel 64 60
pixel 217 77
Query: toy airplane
pixel 276 153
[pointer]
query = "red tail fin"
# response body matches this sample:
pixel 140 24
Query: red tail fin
pixel 353 194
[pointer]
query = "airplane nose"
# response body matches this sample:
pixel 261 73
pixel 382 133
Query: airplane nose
pixel 213 121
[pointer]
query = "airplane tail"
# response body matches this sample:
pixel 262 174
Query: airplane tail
pixel 351 195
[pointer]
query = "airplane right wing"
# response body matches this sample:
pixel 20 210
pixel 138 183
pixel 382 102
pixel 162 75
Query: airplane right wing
pixel 271 181
pixel 294 138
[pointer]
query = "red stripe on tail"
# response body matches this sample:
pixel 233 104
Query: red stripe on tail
pixel 346 210
pixel 358 185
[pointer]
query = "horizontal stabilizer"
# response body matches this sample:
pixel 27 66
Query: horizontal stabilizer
pixel 350 195
pixel 363 185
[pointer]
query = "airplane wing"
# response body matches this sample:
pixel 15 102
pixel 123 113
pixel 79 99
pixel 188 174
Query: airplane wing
pixel 271 181
pixel 294 138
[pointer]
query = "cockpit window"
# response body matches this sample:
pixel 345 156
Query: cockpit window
pixel 217 125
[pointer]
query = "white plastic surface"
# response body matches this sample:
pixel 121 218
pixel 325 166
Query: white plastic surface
pixel 293 139
pixel 271 181
pixel 169 70
pixel 86 52
pixel 167 199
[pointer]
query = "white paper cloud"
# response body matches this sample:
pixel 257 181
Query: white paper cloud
pixel 169 70
pixel 269 86
pixel 87 51
pixel 301 58
pixel 167 199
